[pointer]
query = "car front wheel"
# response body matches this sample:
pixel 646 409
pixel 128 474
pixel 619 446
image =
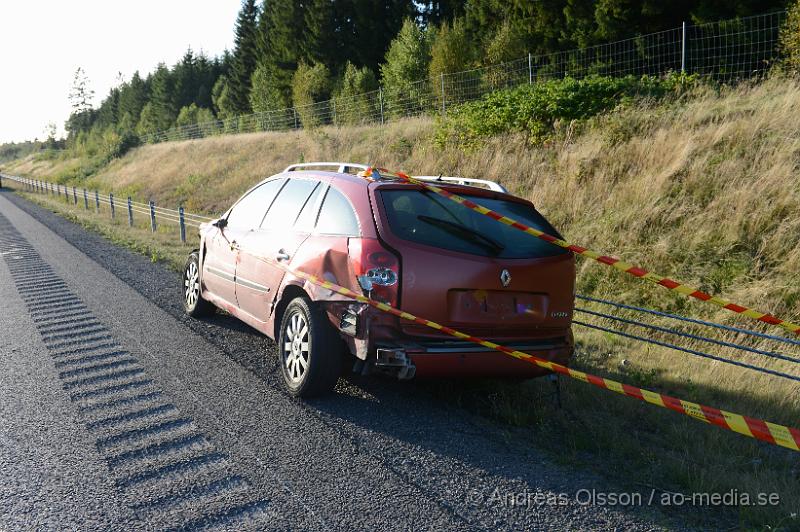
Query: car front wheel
pixel 193 302
pixel 311 351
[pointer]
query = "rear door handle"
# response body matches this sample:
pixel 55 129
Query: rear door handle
pixel 282 255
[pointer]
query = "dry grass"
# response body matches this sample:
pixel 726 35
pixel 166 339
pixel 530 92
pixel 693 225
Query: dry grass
pixel 703 190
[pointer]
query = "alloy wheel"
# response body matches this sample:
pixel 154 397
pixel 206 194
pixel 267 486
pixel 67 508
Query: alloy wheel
pixel 191 283
pixel 295 347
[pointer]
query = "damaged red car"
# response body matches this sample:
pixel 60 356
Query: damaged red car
pixel 395 242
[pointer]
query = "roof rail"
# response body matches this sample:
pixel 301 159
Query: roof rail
pixel 491 185
pixel 340 167
pixel 343 167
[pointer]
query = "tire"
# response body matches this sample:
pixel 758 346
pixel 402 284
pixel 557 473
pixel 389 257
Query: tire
pixel 193 303
pixel 313 370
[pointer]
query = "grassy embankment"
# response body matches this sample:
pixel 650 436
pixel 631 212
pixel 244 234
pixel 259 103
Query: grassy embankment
pixel 703 189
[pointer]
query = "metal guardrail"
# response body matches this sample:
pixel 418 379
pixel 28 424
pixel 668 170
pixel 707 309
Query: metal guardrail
pixel 149 210
pixel 181 218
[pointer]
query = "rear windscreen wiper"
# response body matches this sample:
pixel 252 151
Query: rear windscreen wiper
pixel 465 231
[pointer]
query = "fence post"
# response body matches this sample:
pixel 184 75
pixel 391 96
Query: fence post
pixel 130 212
pixel 183 224
pixel 380 99
pixel 85 200
pixel 75 195
pixel 444 107
pixel 295 117
pixel 1 180
pixel 683 48
pixel 111 202
pixel 96 202
pixel 333 102
pixel 530 69
pixel 152 216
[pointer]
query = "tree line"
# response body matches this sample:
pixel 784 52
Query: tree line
pixel 295 52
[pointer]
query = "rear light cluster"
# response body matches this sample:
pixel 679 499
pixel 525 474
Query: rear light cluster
pixel 377 270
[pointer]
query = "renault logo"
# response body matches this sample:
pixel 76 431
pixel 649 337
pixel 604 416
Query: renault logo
pixel 505 278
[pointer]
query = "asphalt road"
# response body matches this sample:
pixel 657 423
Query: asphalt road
pixel 118 412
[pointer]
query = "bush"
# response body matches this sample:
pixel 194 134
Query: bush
pixel 452 51
pixel 310 85
pixel 535 109
pixel 406 62
pixel 267 92
pixel 506 45
pixel 790 39
pixel 352 99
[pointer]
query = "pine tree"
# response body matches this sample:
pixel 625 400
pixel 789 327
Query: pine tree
pixel 133 97
pixel 244 57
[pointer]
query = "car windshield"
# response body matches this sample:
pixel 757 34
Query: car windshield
pixel 426 218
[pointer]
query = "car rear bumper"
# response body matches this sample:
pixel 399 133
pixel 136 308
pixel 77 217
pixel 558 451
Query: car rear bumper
pixel 457 359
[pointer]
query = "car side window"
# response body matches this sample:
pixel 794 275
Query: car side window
pixel 308 216
pixel 250 210
pixel 287 205
pixel 336 217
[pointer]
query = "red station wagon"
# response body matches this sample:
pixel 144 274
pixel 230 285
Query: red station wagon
pixel 394 242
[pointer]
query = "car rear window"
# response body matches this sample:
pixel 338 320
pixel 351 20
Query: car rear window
pixel 336 217
pixel 426 218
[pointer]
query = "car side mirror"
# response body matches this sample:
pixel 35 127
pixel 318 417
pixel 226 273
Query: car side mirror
pixel 221 223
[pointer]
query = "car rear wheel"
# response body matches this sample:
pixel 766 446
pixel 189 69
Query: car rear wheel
pixel 311 351
pixel 193 302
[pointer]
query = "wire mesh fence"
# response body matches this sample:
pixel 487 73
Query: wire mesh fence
pixel 724 51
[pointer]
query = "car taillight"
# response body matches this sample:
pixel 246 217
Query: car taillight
pixel 377 269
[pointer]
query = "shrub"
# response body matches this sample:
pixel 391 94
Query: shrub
pixel 451 51
pixel 310 85
pixel 352 100
pixel 790 39
pixel 268 92
pixel 506 45
pixel 407 61
pixel 535 109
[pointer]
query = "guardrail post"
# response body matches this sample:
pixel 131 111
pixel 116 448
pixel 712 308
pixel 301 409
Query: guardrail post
pixel 58 190
pixel 152 216
pixel 111 202
pixel 96 202
pixel 85 200
pixel 75 195
pixel 1 180
pixel 130 212
pixel 183 224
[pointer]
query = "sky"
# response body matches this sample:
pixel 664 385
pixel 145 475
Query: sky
pixel 43 42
